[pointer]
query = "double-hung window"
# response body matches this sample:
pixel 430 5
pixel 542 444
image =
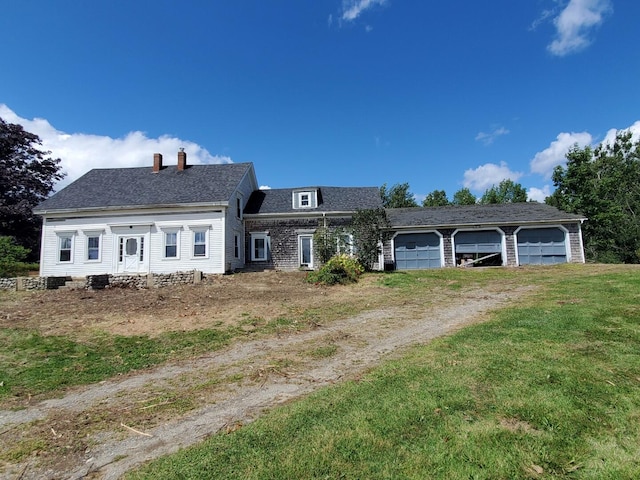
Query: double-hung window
pixel 200 243
pixel 171 245
pixel 65 247
pixel 93 247
pixel 305 199
pixel 259 247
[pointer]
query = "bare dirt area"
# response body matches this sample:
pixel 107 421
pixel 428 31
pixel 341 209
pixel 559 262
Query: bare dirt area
pixel 219 301
pixel 100 431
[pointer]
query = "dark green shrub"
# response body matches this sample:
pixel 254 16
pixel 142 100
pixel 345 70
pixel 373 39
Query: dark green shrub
pixel 341 269
pixel 12 258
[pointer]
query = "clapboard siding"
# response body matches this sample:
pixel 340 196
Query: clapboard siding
pixel 149 227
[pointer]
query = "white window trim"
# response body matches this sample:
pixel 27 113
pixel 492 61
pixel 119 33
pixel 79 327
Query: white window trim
pixel 297 199
pixel 194 231
pixel 61 235
pixel 254 237
pixel 165 232
pixel 88 235
pixel 300 237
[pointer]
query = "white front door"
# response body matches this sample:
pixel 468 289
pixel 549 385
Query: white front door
pixel 130 254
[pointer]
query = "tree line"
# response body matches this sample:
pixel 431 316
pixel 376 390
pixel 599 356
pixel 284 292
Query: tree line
pixel 399 196
pixel 601 183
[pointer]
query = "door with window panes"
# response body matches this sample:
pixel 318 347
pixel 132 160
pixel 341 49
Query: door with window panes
pixel 305 248
pixel 131 253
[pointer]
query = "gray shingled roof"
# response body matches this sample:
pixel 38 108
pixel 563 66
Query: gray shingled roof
pixel 495 214
pixel 128 187
pixel 330 199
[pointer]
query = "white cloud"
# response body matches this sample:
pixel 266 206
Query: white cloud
pixel 544 16
pixel 352 9
pixel 81 152
pixel 545 161
pixel 489 138
pixel 264 187
pixel 575 22
pixel 610 137
pixel 538 194
pixel 488 175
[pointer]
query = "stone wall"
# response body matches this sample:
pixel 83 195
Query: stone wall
pixel 32 283
pixel 98 282
pixel 8 283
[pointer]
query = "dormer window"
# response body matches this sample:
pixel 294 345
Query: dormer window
pixel 305 199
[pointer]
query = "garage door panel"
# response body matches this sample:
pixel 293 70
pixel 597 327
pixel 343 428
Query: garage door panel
pixel 541 246
pixel 417 251
pixel 476 242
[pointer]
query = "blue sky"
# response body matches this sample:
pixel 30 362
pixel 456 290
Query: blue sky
pixel 442 95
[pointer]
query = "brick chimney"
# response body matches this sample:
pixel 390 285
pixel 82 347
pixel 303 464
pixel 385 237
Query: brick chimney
pixel 182 159
pixel 157 162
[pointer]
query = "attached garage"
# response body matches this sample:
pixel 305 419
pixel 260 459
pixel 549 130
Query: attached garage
pixel 415 251
pixel 480 248
pixel 541 246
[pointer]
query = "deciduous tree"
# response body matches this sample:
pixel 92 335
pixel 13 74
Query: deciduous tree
pixel 464 197
pixel 27 176
pixel 604 186
pixel 369 228
pixel 397 196
pixel 437 198
pixel 507 191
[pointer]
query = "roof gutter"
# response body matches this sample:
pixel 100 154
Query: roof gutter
pixel 298 214
pixel 120 208
pixel 485 225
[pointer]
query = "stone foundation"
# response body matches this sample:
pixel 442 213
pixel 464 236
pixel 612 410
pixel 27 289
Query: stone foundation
pixel 32 283
pixel 98 282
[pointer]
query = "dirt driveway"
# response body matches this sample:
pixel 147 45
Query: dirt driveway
pixel 102 431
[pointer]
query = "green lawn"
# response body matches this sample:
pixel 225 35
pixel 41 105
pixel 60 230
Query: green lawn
pixel 550 389
pixel 33 364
